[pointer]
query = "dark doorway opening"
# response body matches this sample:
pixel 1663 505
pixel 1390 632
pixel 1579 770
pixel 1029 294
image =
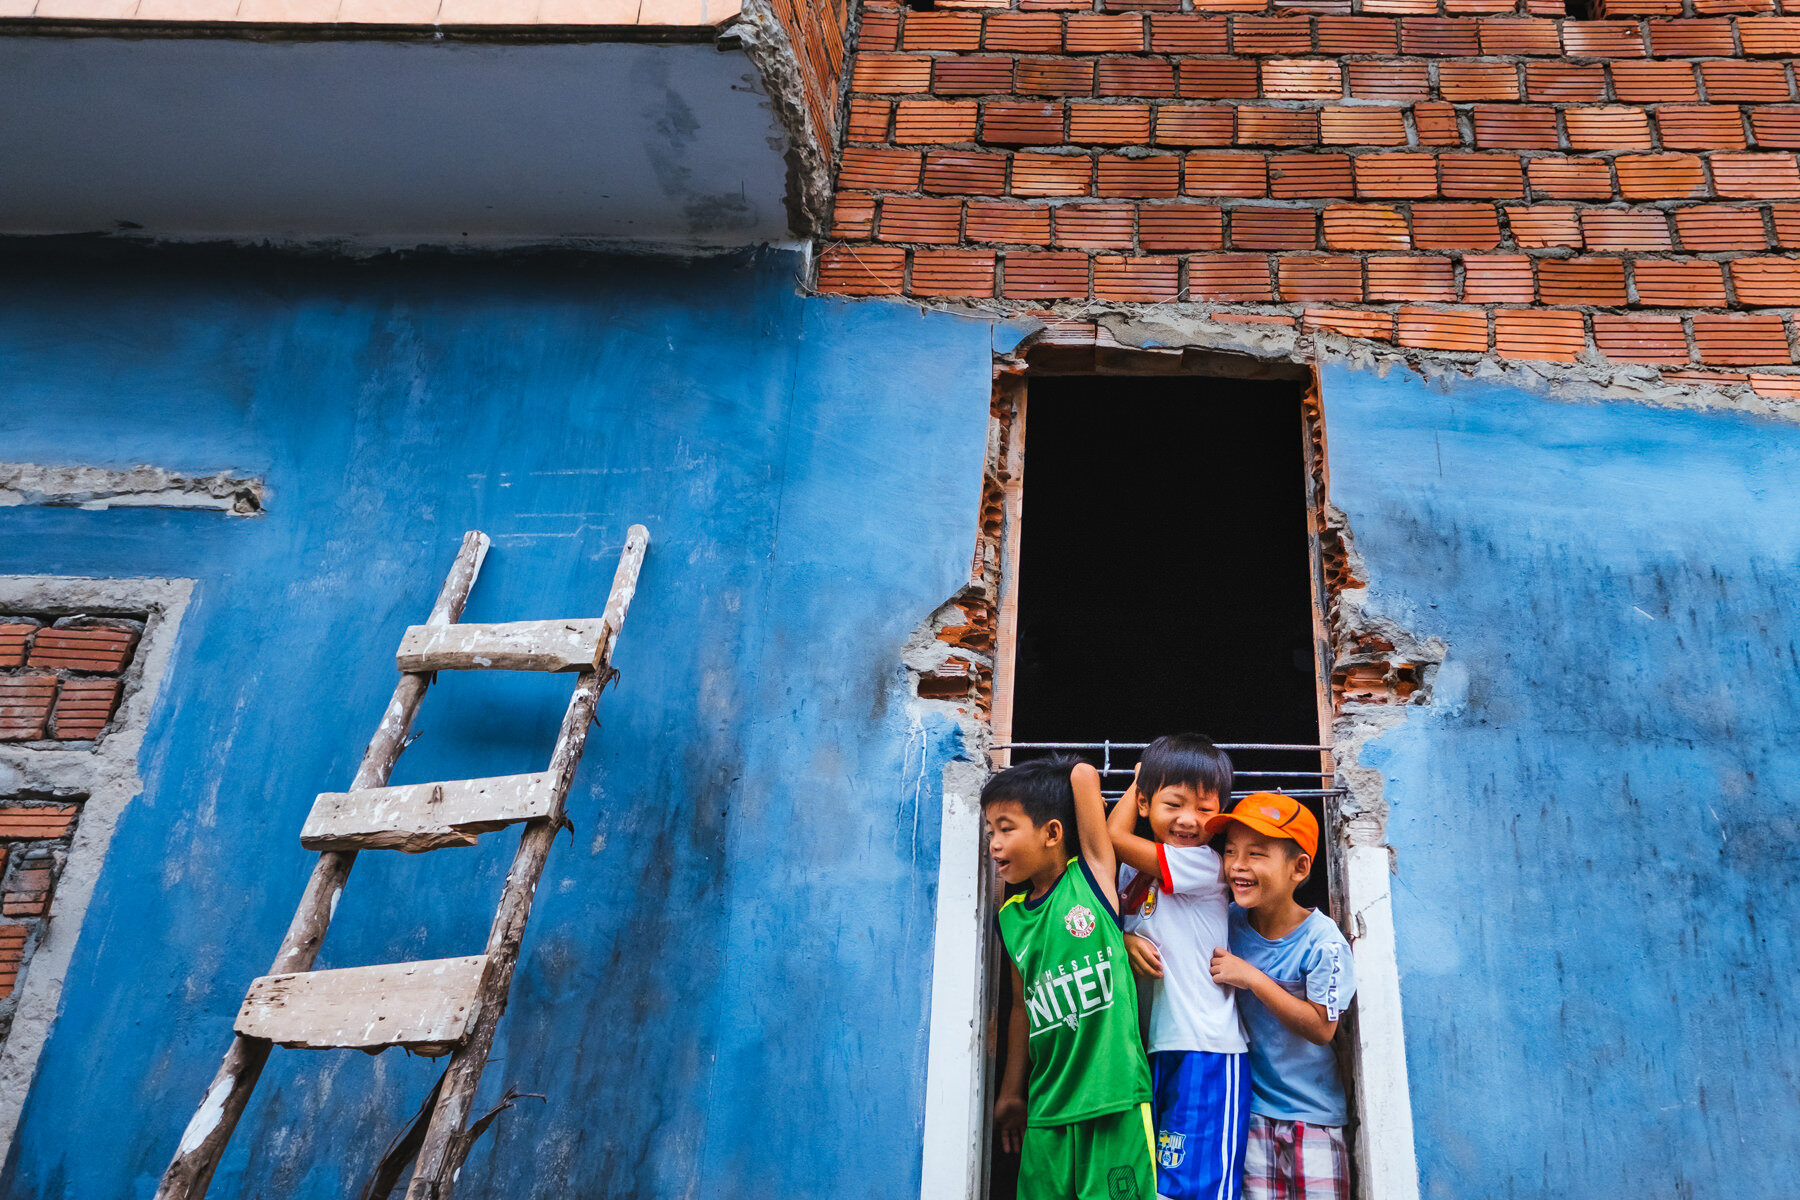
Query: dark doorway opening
pixel 1165 583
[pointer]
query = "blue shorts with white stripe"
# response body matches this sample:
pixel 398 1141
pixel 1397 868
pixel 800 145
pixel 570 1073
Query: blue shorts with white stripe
pixel 1202 1107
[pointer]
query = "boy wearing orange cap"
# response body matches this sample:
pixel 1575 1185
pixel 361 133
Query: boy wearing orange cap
pixel 1295 977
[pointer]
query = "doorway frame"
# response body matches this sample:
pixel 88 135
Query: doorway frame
pixel 962 1034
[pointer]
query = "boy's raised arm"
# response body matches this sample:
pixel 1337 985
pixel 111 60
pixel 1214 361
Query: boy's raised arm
pixel 1090 821
pixel 1136 852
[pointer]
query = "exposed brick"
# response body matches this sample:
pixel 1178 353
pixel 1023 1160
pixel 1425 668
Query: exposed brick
pixel 1465 81
pixel 1707 8
pixel 891 73
pixel 1226 175
pixel 953 273
pixel 1136 280
pixel 83 707
pixel 1024 33
pixel 1527 36
pixel 1481 176
pixel 1453 329
pixel 1603 39
pixel 1455 226
pixel 1052 175
pixel 1438 35
pixel 13 637
pixel 965 171
pixel 1366 227
pixel 1027 123
pixel 1194 125
pixel 1110 124
pixel 1008 223
pixel 25 702
pixel 1401 8
pixel 1353 322
pixel 1054 77
pixel 1639 8
pixel 1568 83
pixel 1052 275
pixel 1184 33
pixel 1644 339
pixel 1659 176
pixel 869 120
pixel 1427 277
pixel 1237 277
pixel 1541 226
pixel 918 121
pixel 1390 81
pixel 1746 82
pixel 1747 176
pixel 1571 178
pixel 1277 126
pixel 1655 82
pixel 1775 127
pixel 1599 281
pixel 1740 340
pixel 1762 36
pixel 1208 79
pixel 1180 227
pixel 1700 127
pixel 1092 34
pixel 1147 178
pixel 1625 229
pixel 1715 227
pixel 1543 336
pixel 1784 387
pixel 921 219
pixel 1436 124
pixel 1395 176
pixel 85 649
pixel 852 217
pixel 1766 281
pixel 1096 226
pixel 1608 128
pixel 880 30
pixel 1787 225
pixel 1271 35
pixel 1678 283
pixel 1361 125
pixel 1497 279
pixel 1319 277
pixel 35 822
pixel 1302 79
pixel 1135 77
pixel 1690 38
pixel 1358 35
pixel 1515 127
pixel 1255 227
pixel 1307 176
pixel 942 31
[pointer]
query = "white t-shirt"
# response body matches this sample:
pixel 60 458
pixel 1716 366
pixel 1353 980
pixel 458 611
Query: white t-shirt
pixel 1184 913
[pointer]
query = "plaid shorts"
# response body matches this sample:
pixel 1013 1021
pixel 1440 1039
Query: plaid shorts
pixel 1291 1160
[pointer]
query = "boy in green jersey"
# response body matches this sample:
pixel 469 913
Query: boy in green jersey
pixel 1084 1133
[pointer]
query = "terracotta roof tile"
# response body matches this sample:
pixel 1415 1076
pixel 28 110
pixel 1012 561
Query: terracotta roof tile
pixel 1498 279
pixel 1277 126
pixel 1361 125
pixel 1049 275
pixel 1572 83
pixel 1309 176
pixel 1096 226
pixel 862 270
pixel 1438 35
pixel 1389 80
pixel 1018 123
pixel 1136 280
pixel 1659 176
pixel 1008 223
pixel 1319 277
pixel 1194 124
pixel 1609 128
pixel 1515 127
pixel 1543 336
pixel 1210 79
pixel 1571 178
pixel 1625 229
pixel 1256 227
pixel 1189 33
pixel 1358 35
pixel 1436 123
pixel 1395 176
pixel 965 171
pixel 1089 33
pixel 1052 175
pixel 1180 227
pixel 1453 329
pixel 1511 35
pixel 1639 338
pixel 1740 340
pixel 1602 39
pixel 1761 282
pixel 1425 277
pixel 1223 174
pixel 1678 283
pixel 1691 38
pixel 1542 226
pixel 1024 33
pixel 952 273
pixel 1700 126
pixel 1353 322
pixel 1746 82
pixel 1241 277
pixel 1463 81
pixel 1481 176
pixel 1455 226
pixel 921 219
pixel 1365 227
pixel 1715 227
pixel 1581 281
pixel 1755 176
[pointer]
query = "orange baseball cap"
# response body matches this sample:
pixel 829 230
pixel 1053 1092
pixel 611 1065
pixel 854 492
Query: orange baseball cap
pixel 1272 815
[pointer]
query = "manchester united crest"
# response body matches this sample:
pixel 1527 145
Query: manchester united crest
pixel 1080 921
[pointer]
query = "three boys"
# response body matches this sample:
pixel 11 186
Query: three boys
pixel 1074 1026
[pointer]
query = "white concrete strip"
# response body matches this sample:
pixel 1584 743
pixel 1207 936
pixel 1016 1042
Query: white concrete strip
pixel 139 487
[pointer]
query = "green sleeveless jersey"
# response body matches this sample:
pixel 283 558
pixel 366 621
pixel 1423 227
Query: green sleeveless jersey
pixel 1086 1058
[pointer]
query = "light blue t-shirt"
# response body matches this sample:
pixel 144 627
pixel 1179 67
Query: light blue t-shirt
pixel 1291 1078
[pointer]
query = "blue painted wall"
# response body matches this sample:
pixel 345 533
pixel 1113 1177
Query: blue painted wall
pixel 1597 819
pixel 724 986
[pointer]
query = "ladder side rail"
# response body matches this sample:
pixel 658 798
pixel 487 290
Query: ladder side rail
pixel 203 1143
pixel 445 1145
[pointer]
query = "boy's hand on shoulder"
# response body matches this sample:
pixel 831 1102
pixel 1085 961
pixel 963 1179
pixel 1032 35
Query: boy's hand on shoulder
pixel 1228 970
pixel 1146 959
pixel 1009 1119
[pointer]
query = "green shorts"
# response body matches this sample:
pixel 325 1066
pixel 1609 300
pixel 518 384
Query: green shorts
pixel 1107 1158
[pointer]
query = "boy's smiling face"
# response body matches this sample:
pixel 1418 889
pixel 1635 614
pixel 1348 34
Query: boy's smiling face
pixel 1178 813
pixel 1262 871
pixel 1021 848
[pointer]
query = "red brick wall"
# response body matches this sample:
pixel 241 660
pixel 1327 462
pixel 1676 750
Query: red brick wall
pixel 35 834
pixel 1450 175
pixel 61 679
pixel 819 30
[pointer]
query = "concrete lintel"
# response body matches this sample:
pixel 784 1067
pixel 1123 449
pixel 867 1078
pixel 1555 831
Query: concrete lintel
pixel 139 487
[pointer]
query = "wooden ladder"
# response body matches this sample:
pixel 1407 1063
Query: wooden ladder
pixel 448 1005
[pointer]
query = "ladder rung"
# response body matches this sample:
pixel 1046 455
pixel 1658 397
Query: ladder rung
pixel 416 1004
pixel 425 816
pixel 516 646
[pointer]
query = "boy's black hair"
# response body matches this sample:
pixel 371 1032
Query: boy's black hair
pixel 1042 789
pixel 1178 758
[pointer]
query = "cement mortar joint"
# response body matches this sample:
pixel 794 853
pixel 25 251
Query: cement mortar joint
pixel 765 40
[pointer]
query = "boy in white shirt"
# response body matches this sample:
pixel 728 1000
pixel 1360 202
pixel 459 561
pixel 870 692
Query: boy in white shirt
pixel 1174 904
